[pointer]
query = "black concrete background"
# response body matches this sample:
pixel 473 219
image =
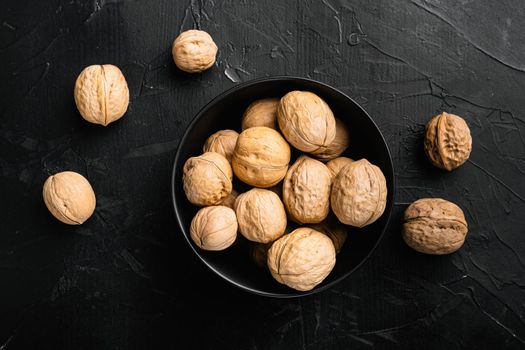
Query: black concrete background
pixel 127 279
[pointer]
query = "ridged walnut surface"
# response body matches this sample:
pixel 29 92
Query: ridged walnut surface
pixel 222 142
pixel 229 201
pixel 214 228
pixel 333 229
pixel 261 113
pixel 335 165
pixel 194 51
pixel 338 145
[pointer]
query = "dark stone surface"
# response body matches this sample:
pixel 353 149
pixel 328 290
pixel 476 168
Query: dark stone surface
pixel 127 279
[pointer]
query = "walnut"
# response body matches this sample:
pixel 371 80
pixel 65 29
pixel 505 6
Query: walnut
pixel 301 259
pixel 261 215
pixel 259 253
pixel 207 179
pixel 230 200
pixel 333 229
pixel 222 142
pixel 359 194
pixel 306 121
pixel 338 145
pixel 214 228
pixel 194 51
pixel 261 113
pixel 434 226
pixel 306 191
pixel 447 141
pixel 261 157
pixel 335 165
pixel 101 94
pixel 69 197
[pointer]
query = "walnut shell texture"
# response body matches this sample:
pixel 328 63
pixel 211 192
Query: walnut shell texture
pixel 207 179
pixel 434 226
pixel 359 194
pixel 229 201
pixel 261 157
pixel 101 94
pixel 194 51
pixel 214 228
pixel 306 121
pixel 301 259
pixel 222 142
pixel 338 145
pixel 69 197
pixel 333 229
pixel 306 191
pixel 447 141
pixel 261 113
pixel 336 164
pixel 261 215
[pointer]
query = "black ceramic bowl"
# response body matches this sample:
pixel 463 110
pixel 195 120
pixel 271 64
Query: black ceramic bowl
pixel 224 112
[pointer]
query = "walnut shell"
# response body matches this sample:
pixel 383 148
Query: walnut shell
pixel 306 121
pixel 261 113
pixel 194 51
pixel 101 94
pixel 335 165
pixel 447 141
pixel 207 179
pixel 261 157
pixel 214 228
pixel 434 226
pixel 338 145
pixel 333 229
pixel 261 215
pixel 69 197
pixel 222 142
pixel 301 259
pixel 306 191
pixel 230 200
pixel 359 194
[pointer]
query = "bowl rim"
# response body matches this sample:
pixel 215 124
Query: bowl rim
pixel 174 191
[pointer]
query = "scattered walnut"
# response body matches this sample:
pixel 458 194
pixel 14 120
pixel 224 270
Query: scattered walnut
pixel 222 142
pixel 338 145
pixel 230 200
pixel 306 191
pixel 207 179
pixel 101 94
pixel 333 229
pixel 359 194
pixel 301 259
pixel 261 113
pixel 194 51
pixel 214 228
pixel 69 197
pixel 261 215
pixel 335 165
pixel 434 226
pixel 447 141
pixel 261 157
pixel 306 121
pixel 259 253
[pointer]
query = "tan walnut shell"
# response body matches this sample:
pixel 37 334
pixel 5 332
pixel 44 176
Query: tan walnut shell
pixel 261 215
pixel 261 157
pixel 194 51
pixel 69 197
pixel 101 94
pixel 302 259
pixel 207 179
pixel 333 229
pixel 214 228
pixel 335 165
pixel 447 141
pixel 306 191
pixel 306 121
pixel 222 142
pixel 434 226
pixel 338 145
pixel 359 194
pixel 230 200
pixel 261 113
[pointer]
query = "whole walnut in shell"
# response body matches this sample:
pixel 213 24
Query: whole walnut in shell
pixel 261 215
pixel 333 229
pixel 447 141
pixel 261 113
pixel 214 228
pixel 101 94
pixel 207 179
pixel 194 51
pixel 306 191
pixel 359 194
pixel 335 165
pixel 222 142
pixel 301 259
pixel 306 121
pixel 434 226
pixel 230 200
pixel 338 145
pixel 261 157
pixel 69 197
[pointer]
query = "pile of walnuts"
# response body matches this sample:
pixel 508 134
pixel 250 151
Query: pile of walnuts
pixel 283 194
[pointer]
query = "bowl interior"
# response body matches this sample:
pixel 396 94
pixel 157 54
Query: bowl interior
pixel 225 112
